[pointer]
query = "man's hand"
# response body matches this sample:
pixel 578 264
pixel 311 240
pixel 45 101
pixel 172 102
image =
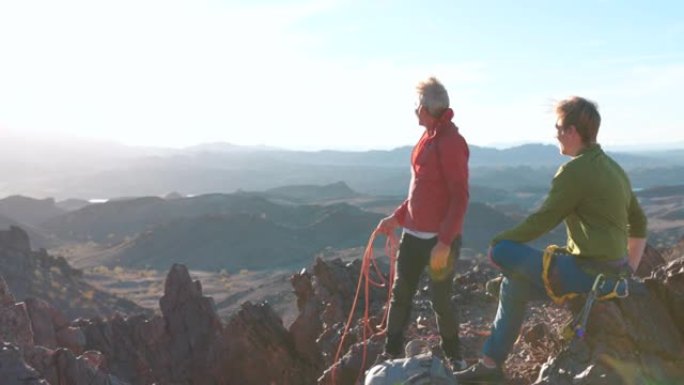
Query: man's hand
pixel 635 250
pixel 387 225
pixel 439 257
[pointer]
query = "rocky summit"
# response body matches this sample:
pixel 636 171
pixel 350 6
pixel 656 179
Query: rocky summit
pixel 633 340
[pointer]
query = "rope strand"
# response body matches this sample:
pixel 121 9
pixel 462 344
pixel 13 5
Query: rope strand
pixel 365 281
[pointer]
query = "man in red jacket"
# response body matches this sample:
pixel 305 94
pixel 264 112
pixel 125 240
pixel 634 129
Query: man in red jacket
pixel 432 220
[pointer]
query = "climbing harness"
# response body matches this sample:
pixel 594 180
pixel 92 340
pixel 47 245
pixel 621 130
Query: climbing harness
pixel 365 281
pixel 578 325
pixel 560 299
pixel 546 266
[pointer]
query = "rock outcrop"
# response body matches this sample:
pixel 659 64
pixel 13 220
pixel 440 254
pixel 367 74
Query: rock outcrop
pixel 13 368
pixel 176 348
pixel 40 347
pixel 189 345
pixel 15 325
pixel 635 340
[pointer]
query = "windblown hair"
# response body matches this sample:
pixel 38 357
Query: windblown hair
pixel 581 113
pixel 433 96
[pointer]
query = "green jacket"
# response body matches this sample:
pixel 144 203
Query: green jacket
pixel 593 195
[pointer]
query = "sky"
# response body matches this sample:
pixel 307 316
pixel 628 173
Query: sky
pixel 336 74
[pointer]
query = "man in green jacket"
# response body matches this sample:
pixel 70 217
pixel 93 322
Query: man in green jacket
pixel 606 231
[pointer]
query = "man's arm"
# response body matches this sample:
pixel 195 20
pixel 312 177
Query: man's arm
pixel 388 224
pixel 565 194
pixel 453 159
pixel 637 233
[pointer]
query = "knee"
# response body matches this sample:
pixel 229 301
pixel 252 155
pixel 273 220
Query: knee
pixel 498 252
pixel 513 291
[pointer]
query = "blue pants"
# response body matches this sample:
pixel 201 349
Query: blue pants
pixel 521 266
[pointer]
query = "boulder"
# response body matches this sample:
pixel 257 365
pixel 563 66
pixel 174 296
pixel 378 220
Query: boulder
pixel 635 340
pixel 13 369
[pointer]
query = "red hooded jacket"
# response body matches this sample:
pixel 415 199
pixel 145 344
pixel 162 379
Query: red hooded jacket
pixel 438 193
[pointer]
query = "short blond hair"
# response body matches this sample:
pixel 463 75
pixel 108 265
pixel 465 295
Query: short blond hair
pixel 433 96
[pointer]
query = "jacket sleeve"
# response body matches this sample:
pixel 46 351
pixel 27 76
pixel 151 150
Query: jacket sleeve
pixel 565 194
pixel 637 219
pixel 454 154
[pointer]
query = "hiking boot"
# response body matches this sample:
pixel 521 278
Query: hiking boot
pixel 454 353
pixel 480 374
pixel 457 364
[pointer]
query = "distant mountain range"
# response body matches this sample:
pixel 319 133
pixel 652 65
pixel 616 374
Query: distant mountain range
pixel 283 227
pixel 106 171
pixel 280 227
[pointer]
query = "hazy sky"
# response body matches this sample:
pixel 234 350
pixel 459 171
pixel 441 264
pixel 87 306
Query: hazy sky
pixel 336 74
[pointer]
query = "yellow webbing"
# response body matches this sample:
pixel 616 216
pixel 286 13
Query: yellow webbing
pixel 546 264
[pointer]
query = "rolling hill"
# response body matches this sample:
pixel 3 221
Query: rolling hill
pixel 240 241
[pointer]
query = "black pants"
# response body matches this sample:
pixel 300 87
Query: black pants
pixel 414 256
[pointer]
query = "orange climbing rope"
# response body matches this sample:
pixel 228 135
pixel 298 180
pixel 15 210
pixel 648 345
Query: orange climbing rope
pixel 365 281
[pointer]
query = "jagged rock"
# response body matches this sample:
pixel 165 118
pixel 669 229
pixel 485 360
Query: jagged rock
pixel 15 239
pixel 13 369
pixel 177 348
pixel 334 283
pixel 6 297
pixel 308 325
pixel 635 340
pixel 668 282
pixel 71 338
pixel 42 323
pixel 173 349
pixel 254 348
pixel 673 252
pixel 51 327
pixel 650 261
pixel 135 349
pixel 351 367
pixel 257 349
pixel 61 366
pixel 191 322
pixel 15 325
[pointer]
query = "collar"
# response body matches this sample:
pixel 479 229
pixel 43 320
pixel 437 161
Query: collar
pixel 441 123
pixel 594 147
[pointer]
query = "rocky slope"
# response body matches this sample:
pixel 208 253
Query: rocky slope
pixel 39 275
